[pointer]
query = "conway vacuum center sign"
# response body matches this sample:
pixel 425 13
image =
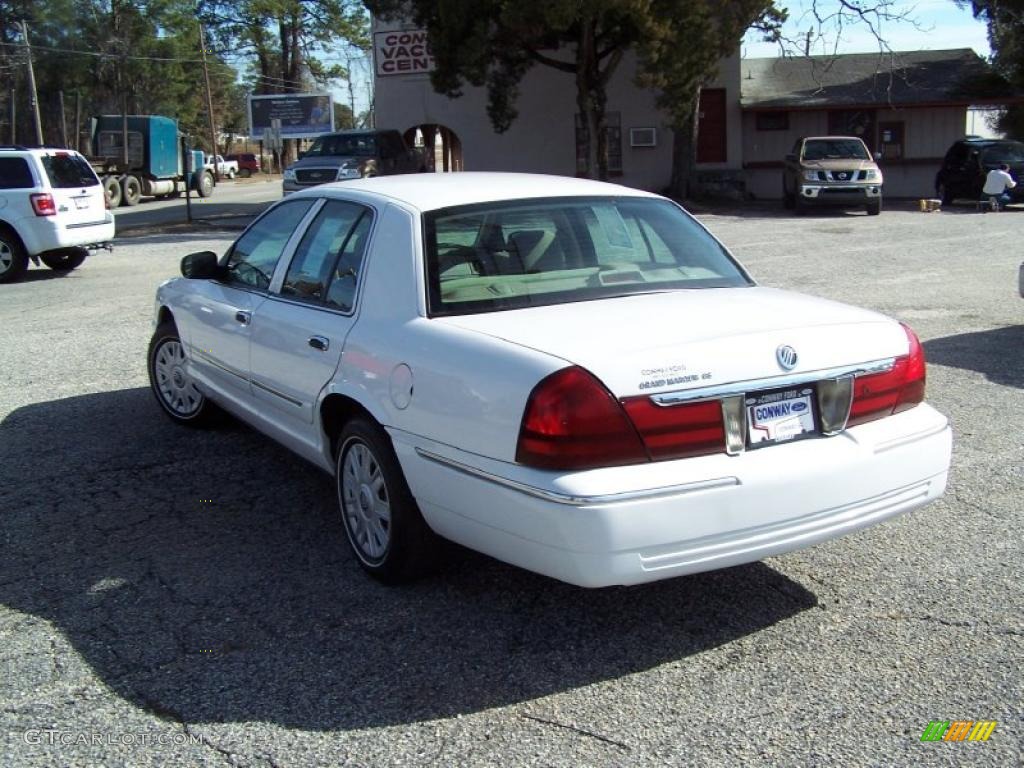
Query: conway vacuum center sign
pixel 302 115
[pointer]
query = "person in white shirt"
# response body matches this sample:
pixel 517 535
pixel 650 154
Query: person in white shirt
pixel 996 183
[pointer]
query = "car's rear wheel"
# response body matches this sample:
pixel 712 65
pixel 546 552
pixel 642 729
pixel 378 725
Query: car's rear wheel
pixel 170 381
pixel 112 190
pixel 874 207
pixel 131 190
pixel 13 259
pixel 245 173
pixel 384 527
pixel 66 260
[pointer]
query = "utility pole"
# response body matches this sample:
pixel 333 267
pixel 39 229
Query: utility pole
pixel 209 102
pixel 63 120
pixel 78 121
pixel 33 100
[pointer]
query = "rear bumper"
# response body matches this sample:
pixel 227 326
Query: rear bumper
pixel 629 525
pixel 45 234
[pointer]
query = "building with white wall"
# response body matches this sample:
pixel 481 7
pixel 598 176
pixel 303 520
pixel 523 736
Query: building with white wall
pixel 908 106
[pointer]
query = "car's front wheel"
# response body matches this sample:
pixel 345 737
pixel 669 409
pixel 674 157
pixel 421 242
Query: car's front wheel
pixel 384 527
pixel 205 188
pixel 942 192
pixel 64 261
pixel 170 381
pixel 874 207
pixel 788 200
pixel 13 259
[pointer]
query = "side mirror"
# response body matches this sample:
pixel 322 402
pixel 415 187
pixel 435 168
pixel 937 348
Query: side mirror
pixel 790 158
pixel 200 266
pixel 301 155
pixel 878 157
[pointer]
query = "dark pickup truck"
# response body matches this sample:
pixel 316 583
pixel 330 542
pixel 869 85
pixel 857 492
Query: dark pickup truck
pixel 352 155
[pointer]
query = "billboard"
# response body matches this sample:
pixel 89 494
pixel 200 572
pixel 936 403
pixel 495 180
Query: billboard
pixel 402 52
pixel 302 115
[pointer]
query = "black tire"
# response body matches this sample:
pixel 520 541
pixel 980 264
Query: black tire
pixel 112 189
pixel 245 173
pixel 177 395
pixel 788 200
pixel 370 485
pixel 206 183
pixel 942 192
pixel 64 261
pixel 798 205
pixel 874 207
pixel 131 190
pixel 13 259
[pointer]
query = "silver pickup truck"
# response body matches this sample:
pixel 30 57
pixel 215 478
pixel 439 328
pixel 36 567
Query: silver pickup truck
pixel 352 155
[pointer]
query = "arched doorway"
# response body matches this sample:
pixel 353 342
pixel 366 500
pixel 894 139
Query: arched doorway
pixel 440 145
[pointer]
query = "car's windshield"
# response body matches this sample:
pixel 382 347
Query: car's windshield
pixel 344 145
pixel 835 149
pixel 523 253
pixel 66 171
pixel 1004 152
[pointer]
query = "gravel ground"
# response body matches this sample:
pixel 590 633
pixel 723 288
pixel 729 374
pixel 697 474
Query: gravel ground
pixel 171 597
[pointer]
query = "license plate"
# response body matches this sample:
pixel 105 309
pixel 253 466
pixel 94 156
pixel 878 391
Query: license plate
pixel 81 202
pixel 780 415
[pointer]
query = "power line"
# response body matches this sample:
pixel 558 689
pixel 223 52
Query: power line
pixel 97 54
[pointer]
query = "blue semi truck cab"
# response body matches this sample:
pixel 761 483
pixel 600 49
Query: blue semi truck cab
pixel 154 168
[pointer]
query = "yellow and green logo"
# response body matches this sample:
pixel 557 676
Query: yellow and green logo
pixel 959 730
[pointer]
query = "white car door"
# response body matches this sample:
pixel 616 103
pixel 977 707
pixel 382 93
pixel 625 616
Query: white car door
pixel 219 312
pixel 299 332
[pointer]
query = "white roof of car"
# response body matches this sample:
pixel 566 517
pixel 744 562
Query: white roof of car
pixel 430 191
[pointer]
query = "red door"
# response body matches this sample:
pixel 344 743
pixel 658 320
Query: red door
pixel 711 138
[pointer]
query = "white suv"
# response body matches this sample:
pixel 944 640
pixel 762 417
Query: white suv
pixel 52 209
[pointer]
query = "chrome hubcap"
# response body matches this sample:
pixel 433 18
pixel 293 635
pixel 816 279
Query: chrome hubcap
pixel 6 257
pixel 365 502
pixel 173 383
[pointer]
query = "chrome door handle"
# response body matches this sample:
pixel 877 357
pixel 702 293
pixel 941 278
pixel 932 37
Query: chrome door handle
pixel 243 316
pixel 319 342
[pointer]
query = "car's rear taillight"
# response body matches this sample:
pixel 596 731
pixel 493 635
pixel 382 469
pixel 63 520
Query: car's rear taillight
pixel 899 389
pixel 572 421
pixel 678 431
pixel 43 204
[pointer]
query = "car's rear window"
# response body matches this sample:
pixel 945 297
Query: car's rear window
pixel 67 171
pixel 521 253
pixel 15 173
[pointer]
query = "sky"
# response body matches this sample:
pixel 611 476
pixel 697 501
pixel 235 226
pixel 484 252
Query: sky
pixel 939 24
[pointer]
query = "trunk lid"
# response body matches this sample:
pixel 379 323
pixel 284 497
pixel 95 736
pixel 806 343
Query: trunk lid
pixel 679 340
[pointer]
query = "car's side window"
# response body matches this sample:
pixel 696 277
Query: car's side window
pixel 344 278
pixel 15 174
pixel 314 262
pixel 254 256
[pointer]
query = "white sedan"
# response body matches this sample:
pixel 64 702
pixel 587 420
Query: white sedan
pixel 570 376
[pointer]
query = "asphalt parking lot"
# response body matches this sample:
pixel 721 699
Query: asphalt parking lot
pixel 170 597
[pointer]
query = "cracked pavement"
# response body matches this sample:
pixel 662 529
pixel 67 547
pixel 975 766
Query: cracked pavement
pixel 186 598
